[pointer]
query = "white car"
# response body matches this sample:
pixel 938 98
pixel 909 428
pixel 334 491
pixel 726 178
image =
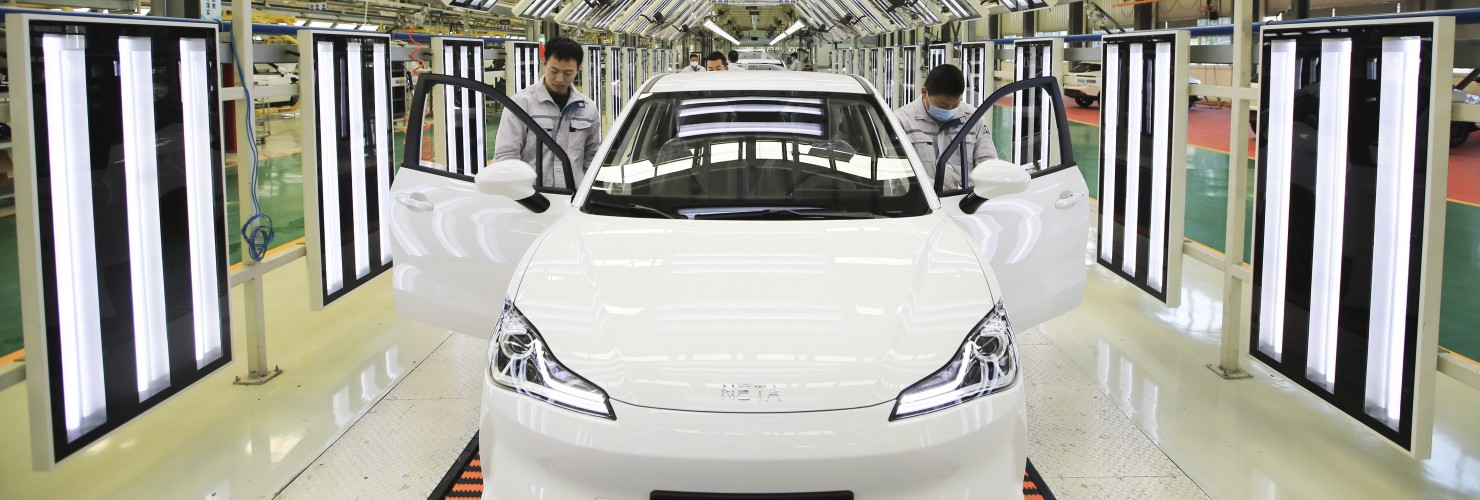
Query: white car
pixel 1082 84
pixel 754 290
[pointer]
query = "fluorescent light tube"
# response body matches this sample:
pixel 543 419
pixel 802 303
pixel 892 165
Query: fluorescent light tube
pixel 1396 145
pixel 83 399
pixel 383 149
pixel 1134 107
pixel 1325 286
pixel 1281 112
pixel 1110 111
pixel 141 185
pixel 449 109
pixel 480 141
pixel 1045 108
pixel 716 29
pixel 359 202
pixel 200 201
pixel 793 29
pixel 1160 166
pixel 1019 67
pixel 328 167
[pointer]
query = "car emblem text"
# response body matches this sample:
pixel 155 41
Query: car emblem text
pixel 749 392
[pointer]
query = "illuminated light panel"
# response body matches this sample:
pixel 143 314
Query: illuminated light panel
pixel 1331 166
pixel 200 202
pixel 1160 167
pixel 1135 106
pixel 1277 194
pixel 141 185
pixel 83 399
pixel 1110 102
pixel 449 109
pixel 383 151
pixel 1044 62
pixel 360 223
pixel 1397 140
pixel 1019 67
pixel 329 170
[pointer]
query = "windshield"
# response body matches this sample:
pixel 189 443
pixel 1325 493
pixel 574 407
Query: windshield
pixel 783 155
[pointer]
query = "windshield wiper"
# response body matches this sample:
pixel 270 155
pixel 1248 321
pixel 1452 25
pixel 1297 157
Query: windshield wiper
pixel 805 213
pixel 632 207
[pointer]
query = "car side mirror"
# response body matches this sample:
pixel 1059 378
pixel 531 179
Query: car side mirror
pixel 997 177
pixel 994 178
pixel 512 179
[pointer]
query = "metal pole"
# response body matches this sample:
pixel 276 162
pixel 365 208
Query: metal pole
pixel 254 316
pixel 1231 350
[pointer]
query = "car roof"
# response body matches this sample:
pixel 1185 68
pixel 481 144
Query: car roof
pixel 767 80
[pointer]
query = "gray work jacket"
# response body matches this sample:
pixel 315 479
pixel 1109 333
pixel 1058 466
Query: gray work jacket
pixel 577 128
pixel 930 140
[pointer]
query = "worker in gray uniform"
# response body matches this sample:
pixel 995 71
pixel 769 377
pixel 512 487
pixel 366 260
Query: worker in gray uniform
pixel 933 120
pixel 570 117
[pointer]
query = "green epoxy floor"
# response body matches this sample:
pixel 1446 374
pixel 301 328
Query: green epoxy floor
pixel 281 196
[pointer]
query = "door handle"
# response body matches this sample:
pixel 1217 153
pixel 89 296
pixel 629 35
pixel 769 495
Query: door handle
pixel 1067 199
pixel 415 201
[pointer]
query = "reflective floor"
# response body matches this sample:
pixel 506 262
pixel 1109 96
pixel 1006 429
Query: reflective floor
pixel 221 441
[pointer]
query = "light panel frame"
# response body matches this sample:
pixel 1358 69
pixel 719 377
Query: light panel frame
pixel 80 248
pixel 1148 251
pixel 346 79
pixel 521 66
pixel 1035 57
pixel 460 142
pixel 978 65
pixel 1374 358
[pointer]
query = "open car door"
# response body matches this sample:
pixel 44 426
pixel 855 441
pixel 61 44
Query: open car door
pixel 1035 240
pixel 455 247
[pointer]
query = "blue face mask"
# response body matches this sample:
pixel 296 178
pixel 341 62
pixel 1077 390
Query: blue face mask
pixel 941 115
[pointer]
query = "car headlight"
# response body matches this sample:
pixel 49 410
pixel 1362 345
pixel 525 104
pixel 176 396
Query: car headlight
pixel 520 361
pixel 985 363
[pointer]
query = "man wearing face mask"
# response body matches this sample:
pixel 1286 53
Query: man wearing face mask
pixel 933 120
pixel 571 118
pixel 694 64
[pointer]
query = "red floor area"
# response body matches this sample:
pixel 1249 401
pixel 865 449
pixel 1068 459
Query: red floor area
pixel 1208 128
pixel 1464 171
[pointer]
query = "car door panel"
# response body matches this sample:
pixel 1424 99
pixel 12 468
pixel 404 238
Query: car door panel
pixel 1035 240
pixel 1034 243
pixel 456 248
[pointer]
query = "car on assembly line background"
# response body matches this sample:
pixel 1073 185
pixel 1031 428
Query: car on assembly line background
pixel 755 288
pixel 1082 84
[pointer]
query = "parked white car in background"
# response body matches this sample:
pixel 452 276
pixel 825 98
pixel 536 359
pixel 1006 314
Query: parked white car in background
pixel 755 289
pixel 1082 84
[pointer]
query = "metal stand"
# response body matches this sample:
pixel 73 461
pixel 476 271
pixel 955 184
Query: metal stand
pixel 1231 349
pixel 254 319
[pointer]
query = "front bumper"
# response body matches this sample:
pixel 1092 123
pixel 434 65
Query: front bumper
pixel 534 450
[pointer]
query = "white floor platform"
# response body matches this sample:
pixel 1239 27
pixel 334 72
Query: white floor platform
pixel 1120 406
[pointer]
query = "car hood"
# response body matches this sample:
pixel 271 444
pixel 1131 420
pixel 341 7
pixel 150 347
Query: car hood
pixel 753 316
